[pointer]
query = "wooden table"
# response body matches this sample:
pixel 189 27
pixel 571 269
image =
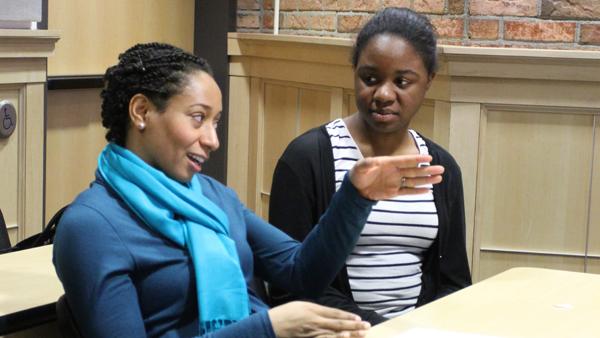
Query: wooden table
pixel 29 289
pixel 520 302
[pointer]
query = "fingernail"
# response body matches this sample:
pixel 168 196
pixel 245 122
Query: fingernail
pixel 366 325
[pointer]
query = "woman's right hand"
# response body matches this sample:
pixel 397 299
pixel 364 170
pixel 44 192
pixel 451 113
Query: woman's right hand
pixel 304 319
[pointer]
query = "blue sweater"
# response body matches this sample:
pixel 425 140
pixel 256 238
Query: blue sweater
pixel 122 279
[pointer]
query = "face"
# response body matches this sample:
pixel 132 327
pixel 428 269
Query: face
pixel 180 139
pixel 390 82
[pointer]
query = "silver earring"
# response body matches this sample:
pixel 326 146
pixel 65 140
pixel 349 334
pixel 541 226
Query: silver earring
pixel 142 125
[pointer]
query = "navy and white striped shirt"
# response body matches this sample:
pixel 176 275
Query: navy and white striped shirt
pixel 384 269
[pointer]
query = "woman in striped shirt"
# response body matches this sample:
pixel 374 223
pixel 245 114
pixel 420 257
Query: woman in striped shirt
pixel 412 249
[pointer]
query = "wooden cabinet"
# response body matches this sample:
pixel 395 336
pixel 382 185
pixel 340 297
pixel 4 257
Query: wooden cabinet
pixel 23 60
pixel 533 158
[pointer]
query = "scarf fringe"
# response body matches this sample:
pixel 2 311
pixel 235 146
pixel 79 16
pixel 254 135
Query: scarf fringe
pixel 213 325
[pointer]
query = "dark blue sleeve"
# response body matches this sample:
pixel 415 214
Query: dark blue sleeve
pixel 94 267
pixel 306 268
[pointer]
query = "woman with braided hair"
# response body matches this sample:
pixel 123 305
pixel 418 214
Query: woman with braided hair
pixel 156 249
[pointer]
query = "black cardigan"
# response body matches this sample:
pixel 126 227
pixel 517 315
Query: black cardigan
pixel 303 184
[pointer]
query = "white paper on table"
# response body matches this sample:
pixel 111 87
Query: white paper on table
pixel 434 333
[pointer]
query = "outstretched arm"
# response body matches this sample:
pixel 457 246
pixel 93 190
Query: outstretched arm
pixel 307 268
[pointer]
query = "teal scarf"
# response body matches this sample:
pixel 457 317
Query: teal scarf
pixel 181 213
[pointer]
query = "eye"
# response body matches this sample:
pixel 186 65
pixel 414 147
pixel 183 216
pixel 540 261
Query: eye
pixel 198 117
pixel 402 82
pixel 370 80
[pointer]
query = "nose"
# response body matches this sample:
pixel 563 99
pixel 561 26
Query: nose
pixel 384 94
pixel 209 139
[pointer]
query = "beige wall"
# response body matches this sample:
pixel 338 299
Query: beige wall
pixel 93 33
pixel 74 139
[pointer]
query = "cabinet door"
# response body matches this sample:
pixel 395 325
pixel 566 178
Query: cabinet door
pixel 593 260
pixel 22 162
pixel 9 166
pixel 533 190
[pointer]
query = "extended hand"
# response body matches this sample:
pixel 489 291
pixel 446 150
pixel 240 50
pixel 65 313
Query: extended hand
pixel 303 319
pixel 384 177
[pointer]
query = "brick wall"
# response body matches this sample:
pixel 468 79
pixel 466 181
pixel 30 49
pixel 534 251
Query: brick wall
pixel 559 24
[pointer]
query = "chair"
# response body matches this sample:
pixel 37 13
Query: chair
pixel 42 238
pixel 4 239
pixel 66 323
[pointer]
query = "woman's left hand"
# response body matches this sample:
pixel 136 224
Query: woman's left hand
pixel 383 177
pixel 303 319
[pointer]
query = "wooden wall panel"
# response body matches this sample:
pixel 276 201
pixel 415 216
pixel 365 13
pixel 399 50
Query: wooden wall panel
pixel 539 92
pixel 290 110
pixel 31 150
pixel 74 139
pixel 349 104
pixel 239 147
pixel 441 123
pixel 462 123
pixel 535 180
pixel 9 164
pixel 280 126
pixel 492 263
pixel 423 119
pixel 594 226
pixel 255 141
pixel 94 32
pixel 314 109
pixel 593 265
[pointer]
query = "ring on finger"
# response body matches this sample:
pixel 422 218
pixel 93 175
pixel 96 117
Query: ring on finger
pixel 402 182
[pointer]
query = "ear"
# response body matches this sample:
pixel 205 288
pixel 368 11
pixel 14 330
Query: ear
pixel 139 105
pixel 430 79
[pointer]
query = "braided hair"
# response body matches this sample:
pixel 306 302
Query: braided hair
pixel 156 70
pixel 411 26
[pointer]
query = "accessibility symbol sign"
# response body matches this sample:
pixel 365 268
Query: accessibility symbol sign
pixel 8 119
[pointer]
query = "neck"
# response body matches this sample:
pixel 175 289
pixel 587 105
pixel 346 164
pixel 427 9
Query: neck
pixel 373 143
pixel 133 143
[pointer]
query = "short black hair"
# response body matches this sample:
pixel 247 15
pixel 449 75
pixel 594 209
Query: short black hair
pixel 156 70
pixel 413 27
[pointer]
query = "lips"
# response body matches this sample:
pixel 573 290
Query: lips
pixel 196 161
pixel 384 115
